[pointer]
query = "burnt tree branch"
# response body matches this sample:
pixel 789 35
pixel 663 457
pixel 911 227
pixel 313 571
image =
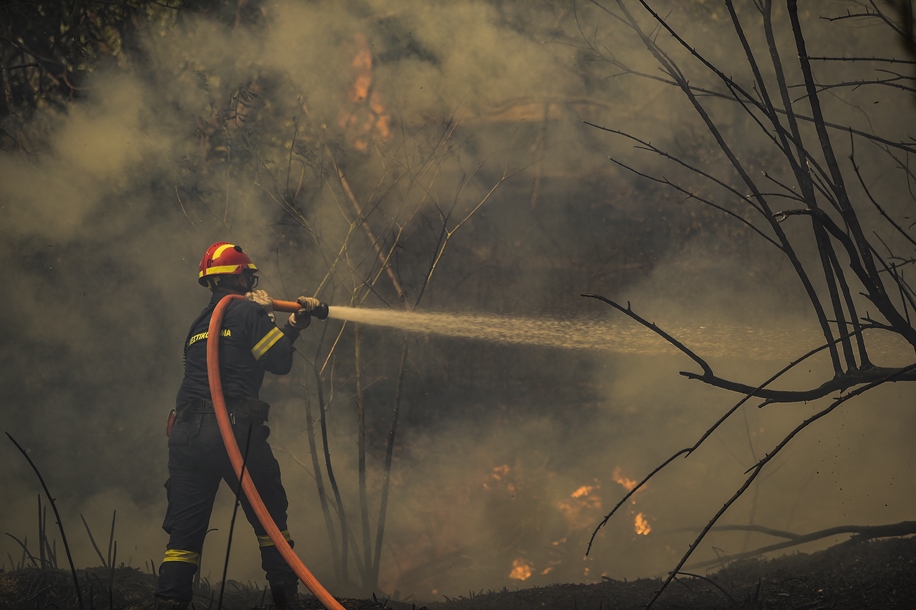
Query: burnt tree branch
pixel 840 382
pixel 857 263
pixel 688 450
pixel 651 326
pixel 762 463
pixel 860 534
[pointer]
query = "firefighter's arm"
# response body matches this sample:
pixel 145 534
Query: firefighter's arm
pixel 273 348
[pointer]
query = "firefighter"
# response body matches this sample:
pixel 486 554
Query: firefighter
pixel 250 344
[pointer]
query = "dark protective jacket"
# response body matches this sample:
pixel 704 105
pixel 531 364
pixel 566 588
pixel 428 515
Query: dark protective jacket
pixel 250 344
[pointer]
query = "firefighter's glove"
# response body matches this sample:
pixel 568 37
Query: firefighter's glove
pixel 302 318
pixel 263 299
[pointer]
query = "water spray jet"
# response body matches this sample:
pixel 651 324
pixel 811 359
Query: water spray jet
pixel 764 343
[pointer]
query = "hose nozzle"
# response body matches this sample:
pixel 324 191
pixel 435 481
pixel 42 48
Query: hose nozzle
pixel 321 312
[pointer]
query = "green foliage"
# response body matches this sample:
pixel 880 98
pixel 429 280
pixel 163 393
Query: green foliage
pixel 47 48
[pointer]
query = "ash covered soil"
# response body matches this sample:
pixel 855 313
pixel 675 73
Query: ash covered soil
pixel 852 575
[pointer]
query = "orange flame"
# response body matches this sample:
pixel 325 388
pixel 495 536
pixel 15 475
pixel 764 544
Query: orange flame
pixel 365 119
pixel 641 525
pixel 582 491
pixel 580 508
pixel 362 65
pixel 500 475
pixel 500 471
pixel 626 483
pixel 521 570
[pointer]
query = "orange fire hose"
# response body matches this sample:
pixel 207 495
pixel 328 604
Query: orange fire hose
pixel 235 456
pixel 291 306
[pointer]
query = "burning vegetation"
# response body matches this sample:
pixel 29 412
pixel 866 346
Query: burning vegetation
pixel 364 119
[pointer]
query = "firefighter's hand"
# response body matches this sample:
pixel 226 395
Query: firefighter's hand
pixel 263 299
pixel 302 318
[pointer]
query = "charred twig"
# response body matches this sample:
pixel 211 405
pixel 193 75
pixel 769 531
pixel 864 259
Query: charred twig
pixel 319 478
pixel 688 450
pixel 713 583
pixel 668 65
pixel 52 553
pixel 649 147
pixel 25 550
pixel 332 480
pixel 733 87
pixel 362 219
pixel 651 326
pixel 874 202
pixel 889 60
pixel 112 545
pixel 386 482
pixel 92 540
pixel 862 264
pixel 890 81
pixel 757 528
pixel 861 533
pixel 235 510
pixel 840 382
pixel 868 274
pixel 762 463
pixel 42 538
pixel 446 233
pixel 361 453
pixel 60 523
pixel 692 195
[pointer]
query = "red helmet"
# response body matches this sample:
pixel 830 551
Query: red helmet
pixel 223 258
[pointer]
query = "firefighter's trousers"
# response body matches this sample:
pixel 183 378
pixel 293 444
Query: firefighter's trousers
pixel 197 463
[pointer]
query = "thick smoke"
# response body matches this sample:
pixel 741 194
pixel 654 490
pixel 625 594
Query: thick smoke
pixel 508 456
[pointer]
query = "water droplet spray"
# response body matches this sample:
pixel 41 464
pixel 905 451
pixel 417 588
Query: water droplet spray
pixel 597 334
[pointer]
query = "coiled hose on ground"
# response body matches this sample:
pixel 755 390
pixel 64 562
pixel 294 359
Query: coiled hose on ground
pixel 235 456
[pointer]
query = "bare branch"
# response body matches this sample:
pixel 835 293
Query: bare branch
pixel 862 533
pixel 651 326
pixel 758 468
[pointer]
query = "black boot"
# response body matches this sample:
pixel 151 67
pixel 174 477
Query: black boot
pixel 170 604
pixel 285 594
